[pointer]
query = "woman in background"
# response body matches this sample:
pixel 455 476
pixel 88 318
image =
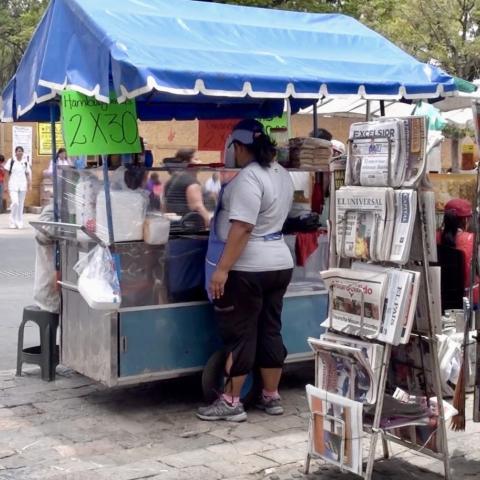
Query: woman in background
pixel 454 234
pixel 19 182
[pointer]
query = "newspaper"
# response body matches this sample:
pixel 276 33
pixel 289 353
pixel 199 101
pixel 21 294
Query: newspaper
pixel 364 222
pixel 424 436
pixel 357 301
pixel 427 199
pixel 374 154
pixel 417 148
pixel 405 213
pixel 387 152
pixel 336 429
pixel 372 351
pixel 344 370
pixel 401 301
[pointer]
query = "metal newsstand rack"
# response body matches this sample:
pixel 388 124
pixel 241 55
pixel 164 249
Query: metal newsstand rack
pixel 428 335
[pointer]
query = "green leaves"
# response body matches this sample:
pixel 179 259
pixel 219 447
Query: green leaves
pixel 18 19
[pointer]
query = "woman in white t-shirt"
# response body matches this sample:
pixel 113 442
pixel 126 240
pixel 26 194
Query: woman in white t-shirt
pixel 19 182
pixel 62 161
pixel 252 273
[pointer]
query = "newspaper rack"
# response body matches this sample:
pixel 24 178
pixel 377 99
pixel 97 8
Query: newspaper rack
pixel 427 335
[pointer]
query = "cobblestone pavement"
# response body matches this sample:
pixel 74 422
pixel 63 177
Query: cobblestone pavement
pixel 74 430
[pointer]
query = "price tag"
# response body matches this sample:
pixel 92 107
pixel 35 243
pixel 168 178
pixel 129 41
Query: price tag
pixel 94 128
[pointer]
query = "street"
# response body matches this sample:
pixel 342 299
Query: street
pixel 17 260
pixel 76 429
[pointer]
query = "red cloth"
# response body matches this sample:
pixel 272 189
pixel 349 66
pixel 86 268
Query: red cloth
pixel 318 199
pixel 305 244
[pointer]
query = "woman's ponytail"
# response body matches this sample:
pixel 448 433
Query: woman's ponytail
pixel 263 149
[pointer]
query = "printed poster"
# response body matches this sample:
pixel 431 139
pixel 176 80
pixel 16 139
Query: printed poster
pixel 23 137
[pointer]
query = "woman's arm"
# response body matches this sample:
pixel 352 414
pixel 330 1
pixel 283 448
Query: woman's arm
pixel 195 202
pixel 237 240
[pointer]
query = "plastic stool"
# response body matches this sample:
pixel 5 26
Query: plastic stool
pixel 47 354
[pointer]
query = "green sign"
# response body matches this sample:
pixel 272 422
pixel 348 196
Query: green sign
pixel 91 127
pixel 274 123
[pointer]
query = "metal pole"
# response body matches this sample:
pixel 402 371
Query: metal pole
pixel 382 108
pixel 108 202
pixel 289 118
pixel 54 162
pixel 56 216
pixel 315 120
pixel 368 112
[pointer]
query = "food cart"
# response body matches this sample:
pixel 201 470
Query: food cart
pixel 189 60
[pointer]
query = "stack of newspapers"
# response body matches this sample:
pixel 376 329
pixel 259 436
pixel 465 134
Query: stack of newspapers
pixel 387 152
pixel 372 301
pixel 375 223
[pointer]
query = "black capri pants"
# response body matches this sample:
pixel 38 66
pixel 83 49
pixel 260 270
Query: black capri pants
pixel 249 319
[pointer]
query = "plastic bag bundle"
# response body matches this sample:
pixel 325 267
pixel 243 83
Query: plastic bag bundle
pixel 98 281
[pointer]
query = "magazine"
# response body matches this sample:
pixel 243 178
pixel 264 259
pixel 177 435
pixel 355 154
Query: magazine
pixel 336 429
pixel 364 222
pixel 357 301
pixel 344 370
pixel 405 212
pixel 387 152
pixel 401 302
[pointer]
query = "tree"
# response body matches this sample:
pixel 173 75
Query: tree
pixel 444 30
pixel 18 19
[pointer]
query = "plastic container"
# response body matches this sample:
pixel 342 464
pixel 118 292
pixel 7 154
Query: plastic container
pixel 128 215
pixel 156 230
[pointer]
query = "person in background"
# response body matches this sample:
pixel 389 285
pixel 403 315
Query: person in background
pixel 2 181
pixel 213 185
pixel 19 182
pixel 211 190
pixel 154 187
pixel 62 161
pixel 454 234
pixel 183 192
pixel 253 272
pixel 323 134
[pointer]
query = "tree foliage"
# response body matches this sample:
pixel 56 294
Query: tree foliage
pixel 18 19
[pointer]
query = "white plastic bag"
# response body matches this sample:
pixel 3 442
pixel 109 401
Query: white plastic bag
pixel 98 281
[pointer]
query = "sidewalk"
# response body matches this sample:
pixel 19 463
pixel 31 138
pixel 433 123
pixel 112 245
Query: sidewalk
pixel 72 429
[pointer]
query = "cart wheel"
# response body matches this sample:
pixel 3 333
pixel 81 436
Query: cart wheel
pixel 213 378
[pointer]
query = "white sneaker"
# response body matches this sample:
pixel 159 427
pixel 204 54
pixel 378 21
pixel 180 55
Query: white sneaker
pixel 20 226
pixel 12 227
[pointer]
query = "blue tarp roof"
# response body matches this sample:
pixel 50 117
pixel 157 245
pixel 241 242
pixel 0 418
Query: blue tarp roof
pixel 185 59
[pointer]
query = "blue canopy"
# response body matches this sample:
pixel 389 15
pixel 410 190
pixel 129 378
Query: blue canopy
pixel 185 59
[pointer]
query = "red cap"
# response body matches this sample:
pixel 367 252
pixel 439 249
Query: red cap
pixel 460 207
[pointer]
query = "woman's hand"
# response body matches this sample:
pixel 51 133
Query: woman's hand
pixel 217 283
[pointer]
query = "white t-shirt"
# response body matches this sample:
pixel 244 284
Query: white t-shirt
pixel 18 175
pixel 212 186
pixel 261 197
